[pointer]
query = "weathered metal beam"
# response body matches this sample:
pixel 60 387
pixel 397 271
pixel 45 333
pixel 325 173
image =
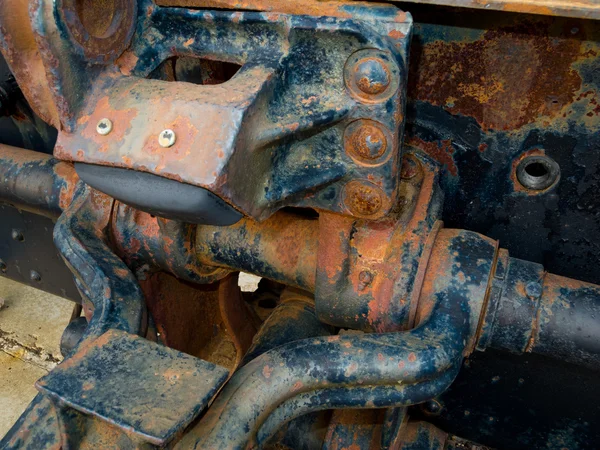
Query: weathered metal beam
pixel 586 9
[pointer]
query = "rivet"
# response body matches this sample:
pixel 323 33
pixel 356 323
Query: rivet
pixel 365 140
pixel 410 167
pixel 533 289
pixel 363 199
pixel 371 76
pixel 166 138
pixel 433 407
pixel 17 235
pixel 104 126
pixel 35 276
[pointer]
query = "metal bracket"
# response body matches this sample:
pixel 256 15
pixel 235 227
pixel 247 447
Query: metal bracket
pixel 313 118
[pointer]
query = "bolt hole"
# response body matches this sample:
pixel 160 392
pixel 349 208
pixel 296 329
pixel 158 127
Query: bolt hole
pixel 538 172
pixel 537 169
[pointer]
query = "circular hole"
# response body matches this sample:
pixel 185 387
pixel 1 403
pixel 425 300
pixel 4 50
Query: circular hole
pixel 536 169
pixel 537 172
pixel 96 16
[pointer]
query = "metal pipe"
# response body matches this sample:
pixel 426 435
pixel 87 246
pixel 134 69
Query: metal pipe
pixel 35 181
pixel 282 248
pixel 363 361
pixel 360 397
pixel 293 319
pixel 530 310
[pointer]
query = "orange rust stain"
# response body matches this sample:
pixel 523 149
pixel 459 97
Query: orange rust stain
pixel 189 42
pixel 297 386
pixel 412 357
pixel 441 152
pixel 502 80
pixel 267 371
pixel 396 34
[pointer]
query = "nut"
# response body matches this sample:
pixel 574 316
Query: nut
pixel 166 138
pixel 104 126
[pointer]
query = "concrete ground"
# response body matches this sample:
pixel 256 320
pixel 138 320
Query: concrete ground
pixel 31 324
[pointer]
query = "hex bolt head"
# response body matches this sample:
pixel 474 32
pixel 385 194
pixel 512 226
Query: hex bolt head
pixel 166 138
pixel 371 76
pixel 104 126
pixel 35 276
pixel 17 235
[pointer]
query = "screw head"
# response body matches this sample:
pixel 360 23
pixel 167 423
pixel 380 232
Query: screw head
pixel 371 76
pixel 166 138
pixel 35 276
pixel 533 289
pixel 366 141
pixel 104 126
pixel 17 235
pixel 363 199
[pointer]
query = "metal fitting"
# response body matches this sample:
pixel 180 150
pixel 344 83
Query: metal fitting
pixel 104 127
pixel 167 138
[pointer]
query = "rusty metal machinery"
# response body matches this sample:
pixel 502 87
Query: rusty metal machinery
pixel 373 163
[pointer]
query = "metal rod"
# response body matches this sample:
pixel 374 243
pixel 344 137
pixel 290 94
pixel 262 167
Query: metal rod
pixel 35 182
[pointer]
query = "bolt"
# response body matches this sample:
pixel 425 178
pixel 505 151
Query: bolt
pixel 363 199
pixel 410 167
pixel 433 407
pixel 166 138
pixel 35 276
pixel 365 277
pixel 533 289
pixel 104 127
pixel 366 140
pixel 371 76
pixel 3 266
pixel 17 235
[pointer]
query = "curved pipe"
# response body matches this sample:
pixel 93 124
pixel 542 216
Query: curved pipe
pixel 450 319
pixel 360 397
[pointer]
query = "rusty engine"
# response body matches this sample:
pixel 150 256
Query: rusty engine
pixel 416 184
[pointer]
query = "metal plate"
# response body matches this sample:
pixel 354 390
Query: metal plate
pixel 27 249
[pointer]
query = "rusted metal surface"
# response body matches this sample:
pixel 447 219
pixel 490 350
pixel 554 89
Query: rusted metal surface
pixel 538 312
pixel 17 43
pixel 282 248
pixel 36 182
pixel 152 403
pixel 149 243
pixel 488 88
pixel 585 9
pixel 367 270
pixel 288 114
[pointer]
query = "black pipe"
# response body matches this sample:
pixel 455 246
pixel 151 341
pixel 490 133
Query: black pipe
pixel 35 182
pixel 533 311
